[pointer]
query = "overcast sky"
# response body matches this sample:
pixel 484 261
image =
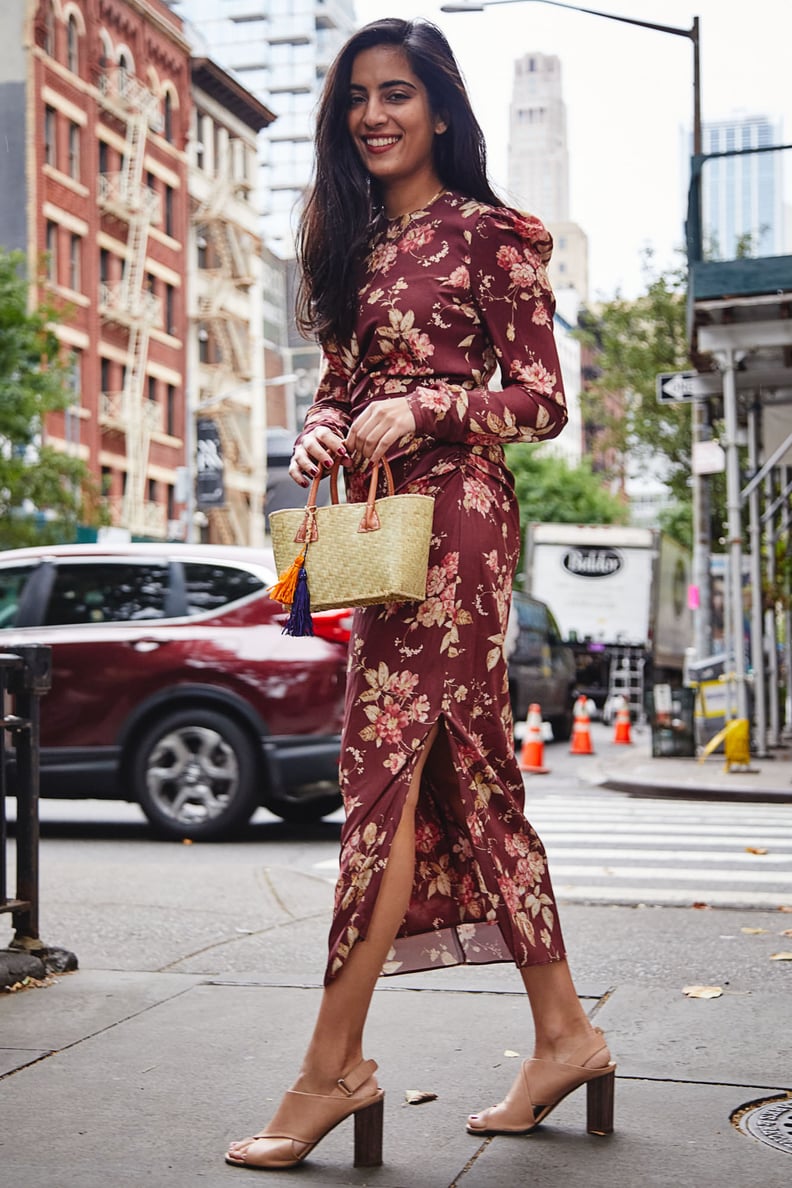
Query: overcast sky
pixel 629 97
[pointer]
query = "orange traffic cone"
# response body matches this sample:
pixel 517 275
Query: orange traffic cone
pixel 532 752
pixel 581 731
pixel 622 732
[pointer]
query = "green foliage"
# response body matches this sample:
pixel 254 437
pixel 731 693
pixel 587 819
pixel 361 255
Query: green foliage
pixel 33 381
pixel 551 490
pixel 636 341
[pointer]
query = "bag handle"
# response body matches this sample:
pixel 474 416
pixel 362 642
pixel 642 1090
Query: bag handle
pixel 370 522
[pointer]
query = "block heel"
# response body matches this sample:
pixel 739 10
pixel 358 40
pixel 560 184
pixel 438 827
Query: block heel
pixel 599 1103
pixel 368 1134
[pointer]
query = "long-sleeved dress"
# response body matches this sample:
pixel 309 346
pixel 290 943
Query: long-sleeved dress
pixel 448 293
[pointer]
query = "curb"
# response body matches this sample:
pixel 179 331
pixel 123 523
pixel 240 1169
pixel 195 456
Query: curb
pixel 736 793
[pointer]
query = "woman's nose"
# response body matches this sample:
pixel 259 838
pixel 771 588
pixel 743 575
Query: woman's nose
pixel 375 114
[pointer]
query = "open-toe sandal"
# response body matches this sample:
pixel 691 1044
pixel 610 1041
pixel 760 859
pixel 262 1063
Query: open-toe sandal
pixel 542 1084
pixel 303 1119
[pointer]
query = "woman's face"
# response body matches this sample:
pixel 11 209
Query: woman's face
pixel 390 119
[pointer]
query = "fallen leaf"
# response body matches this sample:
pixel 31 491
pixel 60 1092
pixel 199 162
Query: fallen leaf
pixel 417 1096
pixel 781 956
pixel 785 907
pixel 186 841
pixel 702 991
pixel 700 906
pixel 756 931
pixel 509 1052
pixel 755 850
pixel 786 932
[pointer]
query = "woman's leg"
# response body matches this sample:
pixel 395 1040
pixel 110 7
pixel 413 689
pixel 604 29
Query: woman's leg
pixel 337 1040
pixel 560 1023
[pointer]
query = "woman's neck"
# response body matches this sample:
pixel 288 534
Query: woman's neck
pixel 403 198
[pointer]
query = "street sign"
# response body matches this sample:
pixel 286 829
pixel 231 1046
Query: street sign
pixel 675 387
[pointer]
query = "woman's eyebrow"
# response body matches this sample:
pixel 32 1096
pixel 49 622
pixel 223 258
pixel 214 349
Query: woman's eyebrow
pixel 393 82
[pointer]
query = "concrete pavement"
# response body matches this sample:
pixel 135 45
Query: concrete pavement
pixel 139 1068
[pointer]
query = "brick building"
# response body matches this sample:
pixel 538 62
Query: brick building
pixel 95 116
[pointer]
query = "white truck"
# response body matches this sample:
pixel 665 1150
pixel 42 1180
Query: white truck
pixel 620 597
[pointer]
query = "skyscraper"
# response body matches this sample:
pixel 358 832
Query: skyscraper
pixel 280 51
pixel 538 164
pixel 742 196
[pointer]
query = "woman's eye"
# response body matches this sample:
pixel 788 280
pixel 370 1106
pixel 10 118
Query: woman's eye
pixel 397 96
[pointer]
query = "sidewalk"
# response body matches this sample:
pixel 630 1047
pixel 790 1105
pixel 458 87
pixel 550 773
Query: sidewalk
pixel 133 1078
pixel 632 769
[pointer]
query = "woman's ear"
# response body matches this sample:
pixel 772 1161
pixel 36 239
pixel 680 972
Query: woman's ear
pixel 441 125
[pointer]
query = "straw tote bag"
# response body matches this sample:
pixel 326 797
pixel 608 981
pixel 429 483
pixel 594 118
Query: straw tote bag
pixel 351 554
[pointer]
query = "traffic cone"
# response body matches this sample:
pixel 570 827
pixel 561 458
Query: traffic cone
pixel 622 732
pixel 532 752
pixel 581 730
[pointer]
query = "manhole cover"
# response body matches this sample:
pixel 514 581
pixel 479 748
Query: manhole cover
pixel 769 1121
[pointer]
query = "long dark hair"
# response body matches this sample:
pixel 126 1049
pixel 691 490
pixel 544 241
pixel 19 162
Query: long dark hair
pixel 343 199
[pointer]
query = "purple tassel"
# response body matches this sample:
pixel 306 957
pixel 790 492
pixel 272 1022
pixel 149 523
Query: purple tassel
pixel 300 621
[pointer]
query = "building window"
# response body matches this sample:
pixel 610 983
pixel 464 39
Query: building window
pixel 74 262
pixel 73 45
pixel 52 252
pixel 167 117
pixel 170 309
pixel 151 486
pixel 104 375
pixel 49 31
pixel 169 210
pixel 107 478
pixel 104 158
pixel 202 243
pixel 170 411
pixel 74 151
pixel 104 266
pixel 50 137
pixel 171 501
pixel 203 344
pixel 152 389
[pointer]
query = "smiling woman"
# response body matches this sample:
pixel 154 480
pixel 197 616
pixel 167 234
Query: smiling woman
pixel 419 283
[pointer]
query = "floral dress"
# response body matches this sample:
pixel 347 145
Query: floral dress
pixel 448 294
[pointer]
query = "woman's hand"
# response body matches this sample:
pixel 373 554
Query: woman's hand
pixel 319 448
pixel 379 426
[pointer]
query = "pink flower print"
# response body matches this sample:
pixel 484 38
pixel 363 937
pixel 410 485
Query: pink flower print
pixel 536 377
pixel 507 257
pixel 416 237
pixel 511 896
pixel 492 561
pixel 541 315
pixel 419 708
pixel 430 613
pixel 460 278
pixel 382 258
pixel 426 837
pixel 466 890
pixel 476 495
pixel 390 721
pixel 434 400
pixel 401 684
pixel 395 762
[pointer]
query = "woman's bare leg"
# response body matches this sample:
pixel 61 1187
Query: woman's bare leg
pixel 337 1040
pixel 560 1023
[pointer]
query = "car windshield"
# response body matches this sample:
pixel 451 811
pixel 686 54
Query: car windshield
pixel 102 592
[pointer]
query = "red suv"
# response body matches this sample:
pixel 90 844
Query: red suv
pixel 173 685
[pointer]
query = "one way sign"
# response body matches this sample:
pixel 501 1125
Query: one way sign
pixel 676 387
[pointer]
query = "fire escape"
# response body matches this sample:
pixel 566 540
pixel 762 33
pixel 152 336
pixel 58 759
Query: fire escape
pixel 127 303
pixel 227 379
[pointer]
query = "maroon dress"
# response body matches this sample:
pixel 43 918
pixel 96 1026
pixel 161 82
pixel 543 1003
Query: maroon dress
pixel 448 294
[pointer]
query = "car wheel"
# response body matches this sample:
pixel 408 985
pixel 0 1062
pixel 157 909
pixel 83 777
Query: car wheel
pixel 195 775
pixel 307 809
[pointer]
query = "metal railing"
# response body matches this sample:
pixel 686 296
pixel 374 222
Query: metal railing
pixel 25 676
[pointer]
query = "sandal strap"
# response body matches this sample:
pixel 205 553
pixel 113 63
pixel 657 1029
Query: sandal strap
pixel 357 1076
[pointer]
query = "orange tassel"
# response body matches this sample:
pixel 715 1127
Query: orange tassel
pixel 285 588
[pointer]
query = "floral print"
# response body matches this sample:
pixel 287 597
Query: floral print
pixel 447 295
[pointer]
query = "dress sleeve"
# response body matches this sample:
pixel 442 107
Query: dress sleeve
pixel 508 254
pixel 331 404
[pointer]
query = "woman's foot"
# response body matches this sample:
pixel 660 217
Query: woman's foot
pixel 543 1082
pixel 303 1119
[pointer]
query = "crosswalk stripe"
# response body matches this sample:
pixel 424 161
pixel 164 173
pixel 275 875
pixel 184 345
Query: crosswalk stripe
pixel 557 852
pixel 666 896
pixel 564 870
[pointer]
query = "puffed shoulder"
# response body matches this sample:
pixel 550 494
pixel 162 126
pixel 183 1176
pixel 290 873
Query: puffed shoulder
pixel 531 231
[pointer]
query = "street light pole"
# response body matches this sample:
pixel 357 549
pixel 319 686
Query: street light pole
pixel 698 412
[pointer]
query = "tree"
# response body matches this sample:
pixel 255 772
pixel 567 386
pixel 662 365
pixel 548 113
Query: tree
pixel 34 380
pixel 551 490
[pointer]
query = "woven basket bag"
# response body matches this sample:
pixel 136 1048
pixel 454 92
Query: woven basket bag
pixel 357 554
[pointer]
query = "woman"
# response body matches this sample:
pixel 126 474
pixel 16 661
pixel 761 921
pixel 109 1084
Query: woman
pixel 418 282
